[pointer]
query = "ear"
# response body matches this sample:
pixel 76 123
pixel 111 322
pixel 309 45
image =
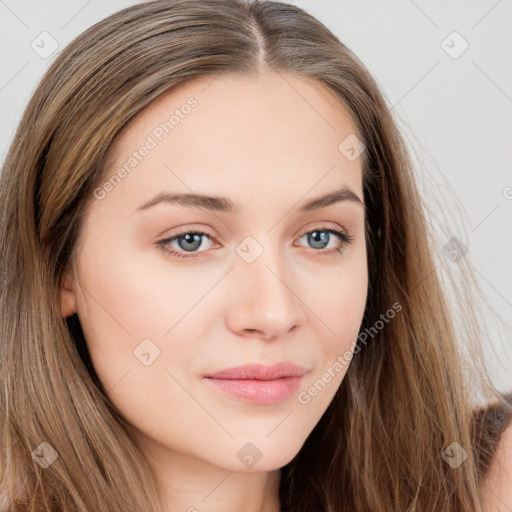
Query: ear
pixel 67 296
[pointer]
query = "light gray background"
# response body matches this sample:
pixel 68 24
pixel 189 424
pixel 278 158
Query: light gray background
pixel 454 112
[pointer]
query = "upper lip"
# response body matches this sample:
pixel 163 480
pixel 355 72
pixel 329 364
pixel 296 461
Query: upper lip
pixel 260 372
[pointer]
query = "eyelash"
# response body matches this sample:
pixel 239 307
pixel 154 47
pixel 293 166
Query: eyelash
pixel 344 237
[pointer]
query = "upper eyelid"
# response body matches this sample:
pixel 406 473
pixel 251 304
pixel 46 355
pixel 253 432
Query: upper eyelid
pixel 322 225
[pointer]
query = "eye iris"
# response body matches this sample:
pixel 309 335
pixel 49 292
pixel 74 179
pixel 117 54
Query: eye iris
pixel 193 238
pixel 318 237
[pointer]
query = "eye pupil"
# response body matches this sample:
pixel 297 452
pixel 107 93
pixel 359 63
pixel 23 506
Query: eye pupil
pixel 319 237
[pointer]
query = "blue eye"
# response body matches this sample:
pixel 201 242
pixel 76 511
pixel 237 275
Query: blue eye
pixel 322 236
pixel 190 241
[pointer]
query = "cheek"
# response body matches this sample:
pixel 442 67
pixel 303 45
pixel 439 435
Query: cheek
pixel 345 310
pixel 337 305
pixel 136 309
pixel 139 337
pixel 339 301
pixel 133 293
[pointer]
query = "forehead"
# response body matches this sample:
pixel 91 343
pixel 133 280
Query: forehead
pixel 276 130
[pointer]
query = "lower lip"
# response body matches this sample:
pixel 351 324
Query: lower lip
pixel 263 392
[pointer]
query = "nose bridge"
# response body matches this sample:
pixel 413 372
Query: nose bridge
pixel 262 261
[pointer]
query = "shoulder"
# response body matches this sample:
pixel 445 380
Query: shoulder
pixel 496 482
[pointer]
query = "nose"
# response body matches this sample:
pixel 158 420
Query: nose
pixel 264 303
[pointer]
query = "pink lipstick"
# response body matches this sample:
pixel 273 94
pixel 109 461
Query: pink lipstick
pixel 259 384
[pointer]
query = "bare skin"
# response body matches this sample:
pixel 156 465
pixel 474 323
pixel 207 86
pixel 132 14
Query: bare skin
pixel 269 144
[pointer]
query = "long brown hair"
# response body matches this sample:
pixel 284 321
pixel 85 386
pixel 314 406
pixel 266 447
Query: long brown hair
pixel 405 397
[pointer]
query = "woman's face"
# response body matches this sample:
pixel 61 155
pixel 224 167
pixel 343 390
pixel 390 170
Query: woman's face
pixel 265 284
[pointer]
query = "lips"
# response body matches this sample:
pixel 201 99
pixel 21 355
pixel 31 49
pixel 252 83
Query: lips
pixel 256 371
pixel 258 384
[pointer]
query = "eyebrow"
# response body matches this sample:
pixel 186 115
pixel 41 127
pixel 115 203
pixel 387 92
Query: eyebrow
pixel 225 205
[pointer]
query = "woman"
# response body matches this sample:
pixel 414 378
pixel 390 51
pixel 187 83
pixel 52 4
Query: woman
pixel 299 355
